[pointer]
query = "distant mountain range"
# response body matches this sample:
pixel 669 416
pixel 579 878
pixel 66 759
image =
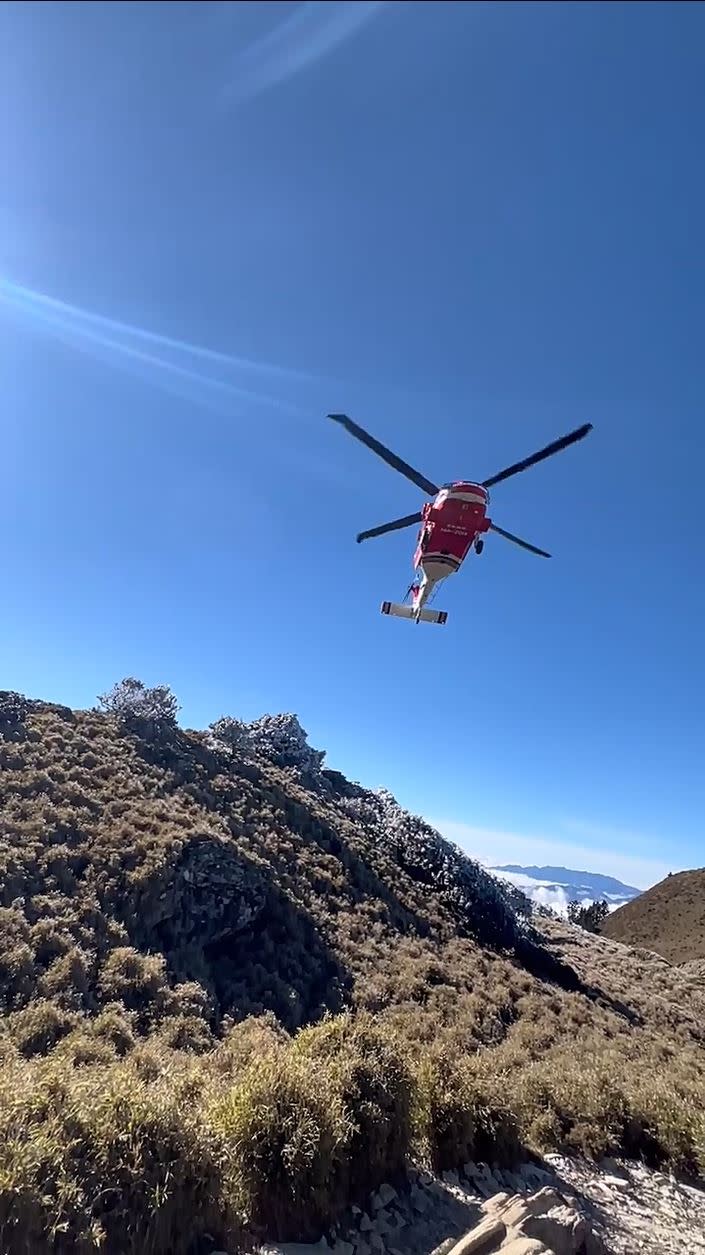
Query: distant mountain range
pixel 557 886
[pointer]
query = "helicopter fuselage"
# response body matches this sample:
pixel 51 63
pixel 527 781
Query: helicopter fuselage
pixel 452 524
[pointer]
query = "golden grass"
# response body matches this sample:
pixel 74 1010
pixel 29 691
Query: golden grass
pixel 155 1089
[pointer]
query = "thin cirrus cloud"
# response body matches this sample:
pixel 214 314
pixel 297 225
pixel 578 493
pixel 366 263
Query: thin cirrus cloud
pixel 126 345
pixel 307 35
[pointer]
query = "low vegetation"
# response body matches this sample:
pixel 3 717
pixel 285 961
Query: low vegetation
pixel 239 991
pixel 669 918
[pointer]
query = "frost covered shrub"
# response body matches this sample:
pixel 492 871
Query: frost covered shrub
pixel 282 739
pixel 139 708
pixel 515 897
pixel 478 900
pixel 278 738
pixel 13 708
pixel 229 734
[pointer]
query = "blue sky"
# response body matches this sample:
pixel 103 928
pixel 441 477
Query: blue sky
pixel 471 227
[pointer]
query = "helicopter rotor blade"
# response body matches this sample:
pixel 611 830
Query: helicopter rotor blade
pixel 517 541
pixel 394 526
pixel 555 447
pixel 397 463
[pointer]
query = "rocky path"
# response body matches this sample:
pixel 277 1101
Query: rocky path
pixel 564 1207
pixel 636 1210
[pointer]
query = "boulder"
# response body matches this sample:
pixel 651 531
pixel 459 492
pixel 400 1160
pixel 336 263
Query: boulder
pixel 485 1237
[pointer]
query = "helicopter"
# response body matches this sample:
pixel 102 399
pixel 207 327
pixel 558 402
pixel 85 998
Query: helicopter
pixel 452 524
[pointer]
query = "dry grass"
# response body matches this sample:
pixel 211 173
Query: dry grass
pixel 669 918
pixel 101 1158
pixel 163 1081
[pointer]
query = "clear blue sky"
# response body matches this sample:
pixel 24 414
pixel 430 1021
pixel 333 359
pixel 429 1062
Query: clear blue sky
pixel 470 226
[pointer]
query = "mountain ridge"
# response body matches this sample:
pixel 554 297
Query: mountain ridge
pixel 607 884
pixel 668 918
pixel 556 887
pixel 210 941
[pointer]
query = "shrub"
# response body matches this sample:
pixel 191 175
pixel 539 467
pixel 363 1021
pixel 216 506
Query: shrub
pixel 140 708
pixel 460 1115
pixel 253 1038
pixel 97 1159
pixel 285 1130
pixel 17 970
pixel 594 1103
pixel 187 1032
pixel 137 980
pixel 229 733
pixel 67 979
pixel 116 1026
pixel 315 1123
pixel 38 1027
pixel 374 1083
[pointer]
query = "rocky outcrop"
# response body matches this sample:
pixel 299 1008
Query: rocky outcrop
pixel 208 893
pixel 541 1223
pixel 564 1207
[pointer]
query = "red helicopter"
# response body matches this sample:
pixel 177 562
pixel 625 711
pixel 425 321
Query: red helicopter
pixel 451 525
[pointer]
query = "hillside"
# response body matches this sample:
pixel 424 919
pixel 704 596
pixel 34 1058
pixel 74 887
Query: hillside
pixel 555 887
pixel 238 989
pixel 669 918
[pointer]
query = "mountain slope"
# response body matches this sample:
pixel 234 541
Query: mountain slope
pixel 179 913
pixel 557 886
pixel 669 918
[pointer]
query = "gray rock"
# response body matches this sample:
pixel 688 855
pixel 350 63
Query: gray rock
pixel 525 1246
pixel 531 1174
pixel 594 1244
pixel 420 1200
pixel 383 1223
pixel 365 1225
pixel 485 1237
pixel 384 1196
pixel 487 1188
pixel 615 1183
pixel 562 1230
pixel 613 1167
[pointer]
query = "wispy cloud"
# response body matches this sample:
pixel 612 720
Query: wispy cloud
pixel 309 33
pixel 491 846
pixel 125 344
